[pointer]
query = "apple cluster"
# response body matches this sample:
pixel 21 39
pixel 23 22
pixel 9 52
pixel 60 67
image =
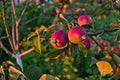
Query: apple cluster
pixel 76 35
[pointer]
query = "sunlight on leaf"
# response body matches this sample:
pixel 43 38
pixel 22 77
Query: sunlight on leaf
pixel 9 63
pixel 37 44
pixel 116 24
pixel 104 68
pixel 48 77
pixel 15 73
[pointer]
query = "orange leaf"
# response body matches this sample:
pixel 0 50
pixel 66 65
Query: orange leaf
pixel 104 67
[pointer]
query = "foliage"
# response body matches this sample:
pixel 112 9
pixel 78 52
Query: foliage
pixel 74 61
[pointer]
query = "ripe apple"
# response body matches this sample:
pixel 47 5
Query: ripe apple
pixel 65 6
pixel 116 50
pixel 58 10
pixel 118 70
pixel 58 0
pixel 78 34
pixel 87 43
pixel 70 1
pixel 84 20
pixel 103 42
pixel 59 39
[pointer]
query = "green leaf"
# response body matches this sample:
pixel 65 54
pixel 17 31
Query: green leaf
pixel 116 59
pixel 79 79
pixel 82 48
pixel 34 73
pixel 37 44
pixel 55 53
pixel 94 60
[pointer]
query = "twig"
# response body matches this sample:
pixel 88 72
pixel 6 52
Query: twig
pixel 37 31
pixel 13 31
pixel 23 11
pixel 100 32
pixel 6 27
pixel 28 51
pixel 13 10
pixel 30 20
pixel 105 31
pixel 6 50
pixel 97 42
pixel 3 37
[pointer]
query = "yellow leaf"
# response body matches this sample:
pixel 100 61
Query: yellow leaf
pixel 104 67
pixel 48 77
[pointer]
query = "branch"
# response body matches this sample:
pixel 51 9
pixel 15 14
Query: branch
pixel 97 42
pixel 30 20
pixel 28 51
pixel 6 50
pixel 42 28
pixel 17 22
pixel 13 31
pixel 13 10
pixel 3 37
pixel 6 27
pixel 22 13
pixel 103 31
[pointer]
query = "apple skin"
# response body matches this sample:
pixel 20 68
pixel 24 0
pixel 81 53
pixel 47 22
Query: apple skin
pixel 58 0
pixel 84 20
pixel 103 42
pixel 116 50
pixel 59 39
pixel 71 1
pixel 87 43
pixel 78 34
pixel 118 70
pixel 58 10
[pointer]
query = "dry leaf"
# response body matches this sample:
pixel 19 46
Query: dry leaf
pixel 15 73
pixel 104 68
pixel 48 77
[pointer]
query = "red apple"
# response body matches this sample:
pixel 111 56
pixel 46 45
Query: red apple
pixel 84 20
pixel 118 70
pixel 65 6
pixel 58 0
pixel 59 39
pixel 103 42
pixel 70 1
pixel 58 10
pixel 87 43
pixel 78 34
pixel 116 50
